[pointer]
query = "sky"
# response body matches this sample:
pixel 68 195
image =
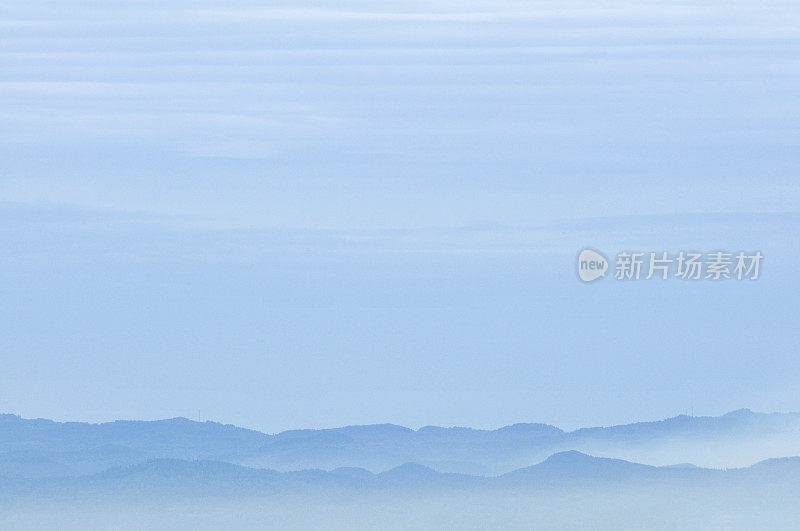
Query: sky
pixel 311 214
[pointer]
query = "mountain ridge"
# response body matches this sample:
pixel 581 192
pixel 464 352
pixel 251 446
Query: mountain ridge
pixel 738 413
pixel 41 447
pixel 164 478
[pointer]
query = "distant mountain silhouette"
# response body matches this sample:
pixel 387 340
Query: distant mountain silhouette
pixel 42 448
pixel 173 478
pixel 572 464
pixel 736 439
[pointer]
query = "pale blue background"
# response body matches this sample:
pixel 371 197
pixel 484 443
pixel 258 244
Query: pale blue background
pixel 314 214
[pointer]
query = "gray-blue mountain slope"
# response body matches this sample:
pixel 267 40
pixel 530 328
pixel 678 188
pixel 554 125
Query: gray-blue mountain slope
pixel 43 448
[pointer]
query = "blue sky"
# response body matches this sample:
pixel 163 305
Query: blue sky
pixel 314 214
